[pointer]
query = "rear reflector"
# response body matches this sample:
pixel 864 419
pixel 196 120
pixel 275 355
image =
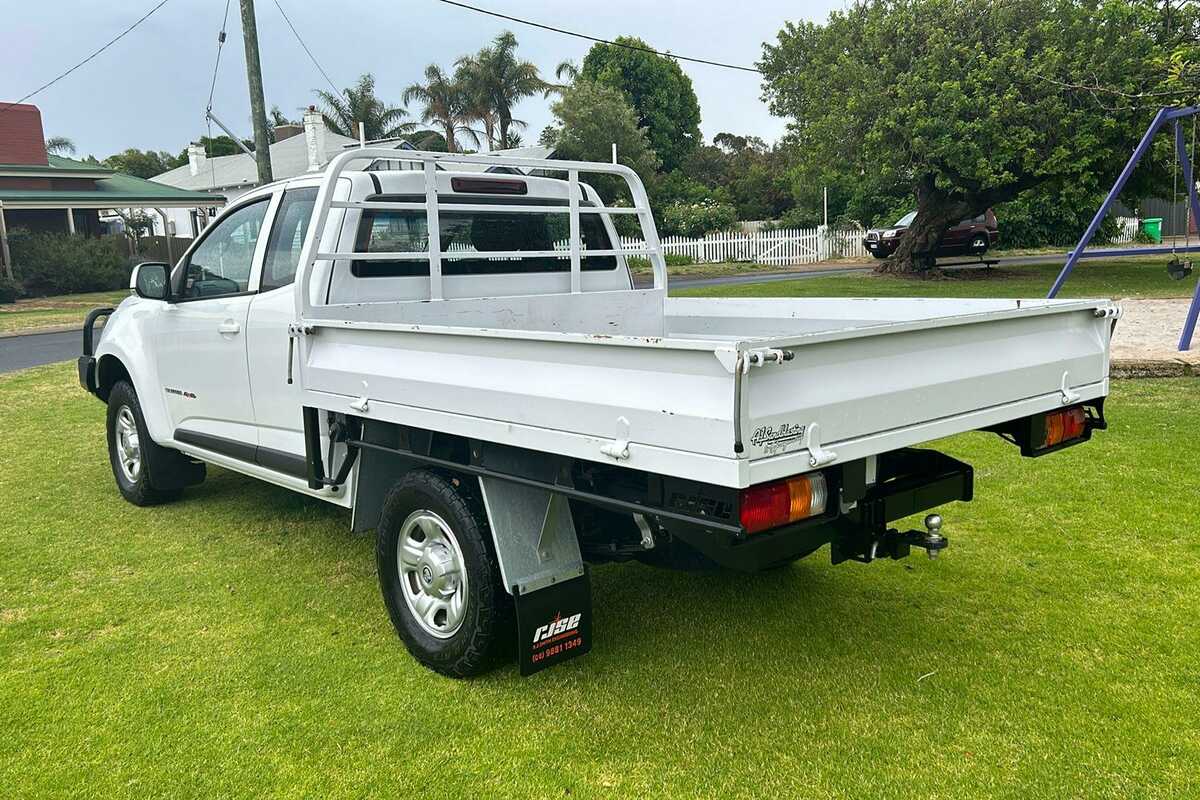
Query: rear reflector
pixel 489 185
pixel 770 505
pixel 1063 426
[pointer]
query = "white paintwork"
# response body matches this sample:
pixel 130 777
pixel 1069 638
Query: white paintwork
pixel 580 363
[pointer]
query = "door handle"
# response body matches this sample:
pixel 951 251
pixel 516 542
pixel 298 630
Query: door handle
pixel 229 327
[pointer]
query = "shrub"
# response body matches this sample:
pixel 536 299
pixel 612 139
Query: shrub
pixel 10 290
pixel 59 263
pixel 679 260
pixel 697 219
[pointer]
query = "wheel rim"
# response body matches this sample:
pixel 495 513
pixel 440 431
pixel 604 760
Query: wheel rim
pixel 129 448
pixel 979 243
pixel 432 574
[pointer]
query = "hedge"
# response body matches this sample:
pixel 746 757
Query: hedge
pixel 62 263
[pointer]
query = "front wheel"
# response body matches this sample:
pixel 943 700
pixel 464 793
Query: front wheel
pixel 146 473
pixel 979 244
pixel 439 575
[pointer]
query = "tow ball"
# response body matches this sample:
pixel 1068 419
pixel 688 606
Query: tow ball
pixel 896 544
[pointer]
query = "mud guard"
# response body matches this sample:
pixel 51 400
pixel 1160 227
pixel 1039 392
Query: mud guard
pixel 554 624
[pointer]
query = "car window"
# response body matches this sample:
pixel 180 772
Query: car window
pixel 221 263
pixel 906 220
pixel 478 233
pixel 287 237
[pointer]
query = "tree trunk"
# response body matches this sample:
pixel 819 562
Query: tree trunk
pixel 450 148
pixel 937 212
pixel 505 120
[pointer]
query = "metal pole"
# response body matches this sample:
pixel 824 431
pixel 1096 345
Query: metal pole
pixel 1138 152
pixel 5 255
pixel 231 135
pixel 614 144
pixel 258 108
pixel 1189 324
pixel 70 221
pixel 167 235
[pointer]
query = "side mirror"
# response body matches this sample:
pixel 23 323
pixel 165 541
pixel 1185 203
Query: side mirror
pixel 151 280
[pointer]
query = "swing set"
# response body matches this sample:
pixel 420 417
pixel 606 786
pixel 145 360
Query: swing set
pixel 1178 267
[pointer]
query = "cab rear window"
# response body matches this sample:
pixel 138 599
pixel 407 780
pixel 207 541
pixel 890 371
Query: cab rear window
pixel 474 234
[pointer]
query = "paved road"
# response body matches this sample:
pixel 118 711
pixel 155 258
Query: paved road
pixel 21 352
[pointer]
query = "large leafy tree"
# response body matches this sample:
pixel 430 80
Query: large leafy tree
pixel 659 91
pixel 589 118
pixel 359 103
pixel 145 163
pixel 966 104
pixel 446 103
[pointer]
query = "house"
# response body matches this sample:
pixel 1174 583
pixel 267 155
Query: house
pixel 44 192
pixel 297 149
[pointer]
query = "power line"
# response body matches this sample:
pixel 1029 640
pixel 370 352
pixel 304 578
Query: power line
pixel 220 44
pixel 317 64
pixel 107 45
pixel 597 39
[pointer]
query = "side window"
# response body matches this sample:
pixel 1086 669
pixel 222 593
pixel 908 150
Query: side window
pixel 287 237
pixel 221 263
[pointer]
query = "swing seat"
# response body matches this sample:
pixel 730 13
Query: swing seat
pixel 1179 269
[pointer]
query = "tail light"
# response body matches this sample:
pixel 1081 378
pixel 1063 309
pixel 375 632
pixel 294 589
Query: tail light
pixel 769 505
pixel 1063 426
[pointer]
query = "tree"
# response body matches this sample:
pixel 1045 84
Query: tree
pixel 60 145
pixel 214 147
pixel 966 103
pixel 494 81
pixel 659 91
pixel 446 104
pixel 589 118
pixel 144 163
pixel 358 103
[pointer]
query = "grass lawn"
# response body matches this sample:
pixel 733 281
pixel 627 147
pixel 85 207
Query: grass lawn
pixel 234 644
pixel 1126 277
pixel 48 312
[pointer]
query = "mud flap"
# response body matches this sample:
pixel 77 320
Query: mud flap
pixel 554 624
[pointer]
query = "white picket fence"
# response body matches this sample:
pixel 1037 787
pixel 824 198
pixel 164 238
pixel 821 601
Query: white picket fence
pixel 1127 228
pixel 776 247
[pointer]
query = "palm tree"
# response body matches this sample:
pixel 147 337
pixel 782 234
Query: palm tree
pixel 357 104
pixel 59 145
pixel 471 74
pixel 567 73
pixel 505 81
pixel 446 105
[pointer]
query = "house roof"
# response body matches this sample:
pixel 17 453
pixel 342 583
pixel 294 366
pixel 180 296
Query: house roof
pixel 288 159
pixel 58 167
pixel 111 190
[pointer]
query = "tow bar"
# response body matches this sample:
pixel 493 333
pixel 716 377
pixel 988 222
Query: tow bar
pixel 896 544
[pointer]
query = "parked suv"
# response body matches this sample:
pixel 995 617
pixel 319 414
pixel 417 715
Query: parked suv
pixel 973 236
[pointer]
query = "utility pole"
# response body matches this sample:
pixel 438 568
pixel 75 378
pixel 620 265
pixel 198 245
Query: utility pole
pixel 258 109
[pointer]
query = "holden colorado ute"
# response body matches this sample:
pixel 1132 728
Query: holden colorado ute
pixel 458 356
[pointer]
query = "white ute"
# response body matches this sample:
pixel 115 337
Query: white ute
pixel 456 352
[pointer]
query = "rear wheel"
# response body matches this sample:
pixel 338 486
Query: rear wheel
pixel 146 473
pixel 979 244
pixel 439 575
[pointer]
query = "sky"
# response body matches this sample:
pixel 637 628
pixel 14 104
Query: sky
pixel 149 90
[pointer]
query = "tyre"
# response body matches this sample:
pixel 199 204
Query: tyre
pixel 439 575
pixel 146 473
pixel 879 255
pixel 979 244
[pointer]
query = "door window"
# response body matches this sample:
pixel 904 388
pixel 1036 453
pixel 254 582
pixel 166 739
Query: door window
pixel 287 237
pixel 221 263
